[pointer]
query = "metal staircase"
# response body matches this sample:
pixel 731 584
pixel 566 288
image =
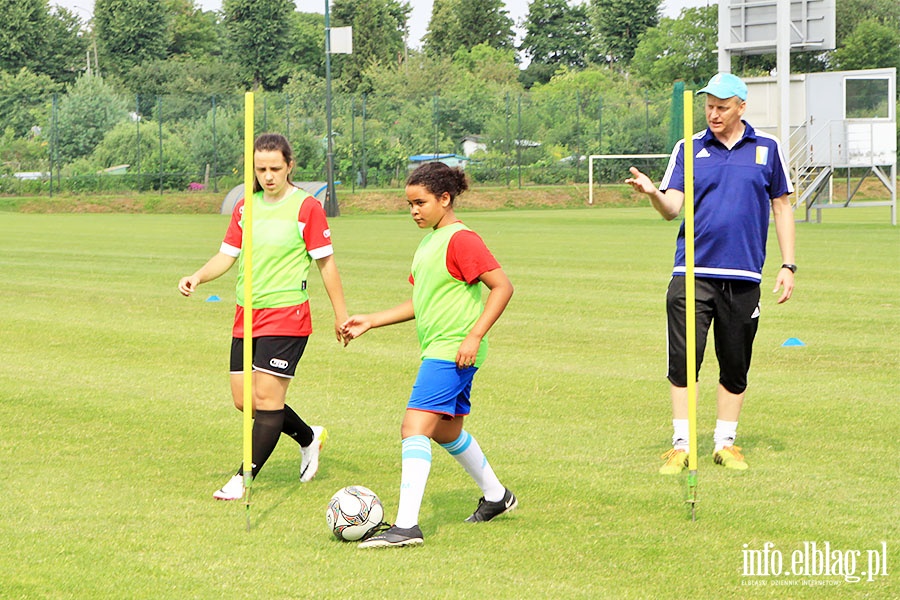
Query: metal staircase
pixel 815 161
pixel 810 177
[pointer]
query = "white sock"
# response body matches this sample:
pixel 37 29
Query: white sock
pixel 468 453
pixel 681 436
pixel 415 466
pixel 726 432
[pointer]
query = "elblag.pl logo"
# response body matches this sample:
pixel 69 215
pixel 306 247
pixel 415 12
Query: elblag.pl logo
pixel 819 561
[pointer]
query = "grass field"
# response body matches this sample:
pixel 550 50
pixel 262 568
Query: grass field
pixel 118 426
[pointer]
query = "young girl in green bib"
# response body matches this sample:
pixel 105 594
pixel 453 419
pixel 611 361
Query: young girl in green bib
pixel 452 325
pixel 290 232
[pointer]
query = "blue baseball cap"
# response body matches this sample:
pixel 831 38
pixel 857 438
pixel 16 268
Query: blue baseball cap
pixel 725 85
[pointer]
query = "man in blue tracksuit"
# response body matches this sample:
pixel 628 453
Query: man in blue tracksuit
pixel 738 173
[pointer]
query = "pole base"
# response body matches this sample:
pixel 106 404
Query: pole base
pixel 248 485
pixel 692 494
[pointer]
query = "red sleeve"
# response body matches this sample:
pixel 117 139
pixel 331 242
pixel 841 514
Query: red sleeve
pixel 468 257
pixel 314 228
pixel 235 233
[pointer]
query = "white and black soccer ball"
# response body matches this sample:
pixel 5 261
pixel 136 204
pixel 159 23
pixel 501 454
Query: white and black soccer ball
pixel 354 513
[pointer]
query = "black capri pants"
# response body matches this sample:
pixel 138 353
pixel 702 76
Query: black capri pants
pixel 732 307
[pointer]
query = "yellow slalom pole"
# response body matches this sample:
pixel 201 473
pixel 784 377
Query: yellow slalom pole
pixel 247 252
pixel 690 297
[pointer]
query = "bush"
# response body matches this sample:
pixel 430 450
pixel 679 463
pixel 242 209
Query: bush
pixel 146 169
pixel 87 112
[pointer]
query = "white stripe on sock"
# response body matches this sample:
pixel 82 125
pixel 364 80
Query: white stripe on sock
pixel 415 467
pixel 476 465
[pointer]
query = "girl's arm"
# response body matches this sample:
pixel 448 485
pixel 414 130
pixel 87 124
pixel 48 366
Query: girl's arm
pixel 335 289
pixel 357 325
pixel 214 268
pixel 501 290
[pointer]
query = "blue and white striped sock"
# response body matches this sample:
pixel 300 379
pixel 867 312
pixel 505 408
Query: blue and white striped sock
pixel 415 466
pixel 468 453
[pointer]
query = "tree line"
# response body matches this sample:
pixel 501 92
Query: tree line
pixel 149 73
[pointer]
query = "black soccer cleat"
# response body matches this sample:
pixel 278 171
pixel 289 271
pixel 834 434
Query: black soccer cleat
pixel 488 510
pixel 395 536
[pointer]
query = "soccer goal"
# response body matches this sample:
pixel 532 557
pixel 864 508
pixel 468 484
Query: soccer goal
pixel 619 164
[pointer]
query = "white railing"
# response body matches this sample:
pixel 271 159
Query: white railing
pixel 842 143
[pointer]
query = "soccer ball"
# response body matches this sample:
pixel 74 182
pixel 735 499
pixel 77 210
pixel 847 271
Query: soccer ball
pixel 354 513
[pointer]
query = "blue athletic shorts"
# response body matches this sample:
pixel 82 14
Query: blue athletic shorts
pixel 442 387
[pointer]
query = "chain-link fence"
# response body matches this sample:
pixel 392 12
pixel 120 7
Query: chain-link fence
pixel 100 144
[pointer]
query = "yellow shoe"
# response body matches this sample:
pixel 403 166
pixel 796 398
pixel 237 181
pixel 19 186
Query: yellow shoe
pixel 676 461
pixel 730 457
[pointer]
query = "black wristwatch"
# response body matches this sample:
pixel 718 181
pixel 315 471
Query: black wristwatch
pixel 789 266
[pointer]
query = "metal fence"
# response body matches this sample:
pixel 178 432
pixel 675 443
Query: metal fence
pixel 177 143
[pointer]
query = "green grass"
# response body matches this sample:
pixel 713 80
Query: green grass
pixel 117 421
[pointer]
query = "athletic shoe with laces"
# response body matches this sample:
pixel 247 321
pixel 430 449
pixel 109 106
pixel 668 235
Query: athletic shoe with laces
pixel 730 457
pixel 488 510
pixel 233 490
pixel 676 461
pixel 395 536
pixel 309 455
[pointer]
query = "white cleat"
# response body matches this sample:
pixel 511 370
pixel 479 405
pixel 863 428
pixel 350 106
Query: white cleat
pixel 233 490
pixel 309 455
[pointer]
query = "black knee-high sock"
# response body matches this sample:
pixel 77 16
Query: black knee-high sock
pixel 296 427
pixel 267 425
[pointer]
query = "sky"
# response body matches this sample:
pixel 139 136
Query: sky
pixel 421 11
